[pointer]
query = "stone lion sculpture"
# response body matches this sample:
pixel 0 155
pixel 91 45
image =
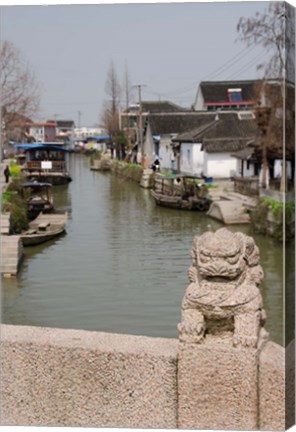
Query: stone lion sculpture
pixel 224 290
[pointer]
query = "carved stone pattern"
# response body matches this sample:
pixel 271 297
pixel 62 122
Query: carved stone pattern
pixel 224 289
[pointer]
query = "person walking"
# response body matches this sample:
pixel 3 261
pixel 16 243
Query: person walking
pixel 7 174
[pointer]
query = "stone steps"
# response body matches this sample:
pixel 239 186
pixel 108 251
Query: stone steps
pixel 229 212
pixel 5 223
pixel 11 254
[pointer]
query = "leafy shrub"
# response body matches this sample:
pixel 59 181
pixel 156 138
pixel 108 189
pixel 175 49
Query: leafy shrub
pixel 259 217
pixel 14 201
pixel 16 205
pixel 15 169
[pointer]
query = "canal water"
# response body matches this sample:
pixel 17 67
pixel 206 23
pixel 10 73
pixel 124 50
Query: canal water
pixel 122 265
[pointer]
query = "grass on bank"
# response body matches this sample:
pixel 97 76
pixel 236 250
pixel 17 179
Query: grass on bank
pixel 259 216
pixel 14 202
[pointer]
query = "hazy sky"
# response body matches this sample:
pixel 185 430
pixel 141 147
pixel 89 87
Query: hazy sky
pixel 168 47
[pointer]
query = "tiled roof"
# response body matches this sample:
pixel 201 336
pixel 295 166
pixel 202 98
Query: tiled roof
pixel 63 123
pixel 176 123
pixel 245 154
pixel 223 145
pixel 217 91
pixel 161 107
pixel 222 132
pixel 41 124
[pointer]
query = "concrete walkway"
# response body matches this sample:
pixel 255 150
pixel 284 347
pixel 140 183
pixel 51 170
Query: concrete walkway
pixel 228 206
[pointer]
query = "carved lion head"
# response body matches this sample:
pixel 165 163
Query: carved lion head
pixel 223 255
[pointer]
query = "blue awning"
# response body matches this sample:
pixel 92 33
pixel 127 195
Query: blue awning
pixel 40 146
pixel 97 138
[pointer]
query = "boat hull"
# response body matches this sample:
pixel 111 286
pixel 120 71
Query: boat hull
pixel 55 179
pixel 44 228
pixel 177 202
pixel 39 238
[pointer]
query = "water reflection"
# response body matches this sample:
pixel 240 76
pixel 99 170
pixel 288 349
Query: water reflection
pixel 122 266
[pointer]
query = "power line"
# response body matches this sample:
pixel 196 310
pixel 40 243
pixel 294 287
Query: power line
pixel 230 62
pixel 248 65
pixel 247 50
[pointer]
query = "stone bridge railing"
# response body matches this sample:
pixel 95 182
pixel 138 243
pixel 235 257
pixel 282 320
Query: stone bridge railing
pixel 223 373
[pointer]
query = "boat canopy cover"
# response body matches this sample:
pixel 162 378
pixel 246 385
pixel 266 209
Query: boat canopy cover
pixel 97 138
pixel 36 185
pixel 41 146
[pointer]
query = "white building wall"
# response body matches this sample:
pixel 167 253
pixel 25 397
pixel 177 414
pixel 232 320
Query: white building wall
pixel 248 171
pixel 165 152
pixel 149 146
pixel 220 165
pixel 38 133
pixel 199 101
pixel 191 159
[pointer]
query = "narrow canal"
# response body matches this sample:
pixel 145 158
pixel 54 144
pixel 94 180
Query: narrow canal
pixel 122 266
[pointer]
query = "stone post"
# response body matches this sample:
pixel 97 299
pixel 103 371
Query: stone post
pixel 220 334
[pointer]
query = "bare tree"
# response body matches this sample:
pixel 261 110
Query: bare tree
pixel 275 30
pixel 113 91
pixel 20 91
pixel 111 107
pixel 271 29
pixel 127 96
pixel 127 87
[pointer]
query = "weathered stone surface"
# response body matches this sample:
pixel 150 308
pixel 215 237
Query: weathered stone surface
pixel 80 378
pixel 220 334
pixel 217 387
pixel 277 387
pixel 223 374
pixel 224 290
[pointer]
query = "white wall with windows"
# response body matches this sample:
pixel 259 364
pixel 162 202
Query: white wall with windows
pixel 166 152
pixel 38 133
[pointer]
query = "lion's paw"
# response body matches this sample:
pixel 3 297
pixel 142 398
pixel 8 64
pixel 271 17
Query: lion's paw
pixel 245 341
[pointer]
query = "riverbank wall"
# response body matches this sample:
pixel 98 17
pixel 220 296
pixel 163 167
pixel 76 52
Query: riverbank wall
pixel 57 377
pixel 127 170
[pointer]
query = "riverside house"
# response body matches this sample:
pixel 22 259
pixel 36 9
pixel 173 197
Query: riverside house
pixel 42 131
pixel 210 148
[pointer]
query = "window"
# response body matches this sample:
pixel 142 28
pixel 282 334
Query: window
pixel 235 95
pixel 188 156
pixel 246 115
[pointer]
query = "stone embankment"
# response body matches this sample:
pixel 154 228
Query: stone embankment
pixel 120 168
pixel 11 254
pixel 11 245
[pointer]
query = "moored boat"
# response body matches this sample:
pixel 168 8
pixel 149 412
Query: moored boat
pixel 181 192
pixel 44 228
pixel 45 162
pixel 40 198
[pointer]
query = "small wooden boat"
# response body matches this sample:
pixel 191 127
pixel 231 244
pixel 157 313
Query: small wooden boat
pixel 40 198
pixel 43 228
pixel 181 192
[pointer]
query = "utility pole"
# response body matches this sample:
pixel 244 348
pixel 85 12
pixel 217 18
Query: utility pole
pixel 79 119
pixel 140 122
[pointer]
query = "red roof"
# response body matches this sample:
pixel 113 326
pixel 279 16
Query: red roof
pixel 41 124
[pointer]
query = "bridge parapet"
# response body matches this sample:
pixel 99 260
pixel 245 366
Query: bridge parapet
pixel 223 373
